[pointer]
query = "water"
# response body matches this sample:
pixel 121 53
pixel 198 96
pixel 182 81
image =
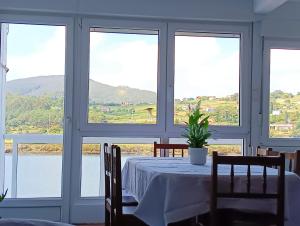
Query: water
pixel 41 175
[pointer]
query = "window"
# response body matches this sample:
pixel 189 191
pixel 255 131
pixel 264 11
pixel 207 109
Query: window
pixel 224 146
pixel 207 70
pixel 123 76
pixel 92 174
pixel 34 110
pixel 284 102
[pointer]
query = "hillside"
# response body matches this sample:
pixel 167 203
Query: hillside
pixel 53 86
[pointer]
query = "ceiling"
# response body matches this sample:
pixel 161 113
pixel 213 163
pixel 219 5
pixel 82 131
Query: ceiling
pixel 266 6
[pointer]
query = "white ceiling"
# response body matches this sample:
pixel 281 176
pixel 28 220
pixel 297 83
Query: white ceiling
pixel 266 6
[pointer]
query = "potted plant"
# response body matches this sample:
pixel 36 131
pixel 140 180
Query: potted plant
pixel 2 196
pixel 197 134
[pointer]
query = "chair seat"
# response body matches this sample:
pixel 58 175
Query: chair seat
pixel 128 200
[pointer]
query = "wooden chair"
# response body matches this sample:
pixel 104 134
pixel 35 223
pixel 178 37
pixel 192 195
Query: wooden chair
pixel 292 157
pixel 127 200
pixel 116 212
pixel 164 148
pixel 228 216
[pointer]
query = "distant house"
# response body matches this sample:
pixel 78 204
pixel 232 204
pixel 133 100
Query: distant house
pixel 276 112
pixel 210 110
pixel 105 109
pixel 282 127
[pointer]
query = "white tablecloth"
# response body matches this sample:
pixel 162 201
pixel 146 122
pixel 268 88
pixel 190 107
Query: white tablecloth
pixel 29 222
pixel 171 189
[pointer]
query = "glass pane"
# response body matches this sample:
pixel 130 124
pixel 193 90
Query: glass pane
pixel 35 80
pixel 39 170
pixel 135 150
pixel 34 104
pixel 224 146
pixel 284 106
pixel 123 77
pixel 8 167
pixel 90 175
pixel 207 70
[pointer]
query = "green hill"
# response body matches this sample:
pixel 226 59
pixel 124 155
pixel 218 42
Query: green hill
pixel 53 86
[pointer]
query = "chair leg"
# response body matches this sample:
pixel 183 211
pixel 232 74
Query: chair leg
pixel 107 218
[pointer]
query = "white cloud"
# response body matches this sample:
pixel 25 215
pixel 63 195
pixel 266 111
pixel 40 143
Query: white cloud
pixel 203 69
pixel 285 70
pixel 48 60
pixel 132 64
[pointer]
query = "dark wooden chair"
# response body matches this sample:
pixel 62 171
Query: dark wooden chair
pixel 164 149
pixel 127 200
pixel 292 157
pixel 117 213
pixel 228 216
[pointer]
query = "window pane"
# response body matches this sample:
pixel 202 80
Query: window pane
pixel 90 176
pixel 34 107
pixel 35 80
pixel 39 170
pixel 224 146
pixel 8 167
pixel 284 106
pixel 207 70
pixel 123 76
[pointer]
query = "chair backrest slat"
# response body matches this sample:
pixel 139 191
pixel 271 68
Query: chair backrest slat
pixel 163 148
pixel 232 178
pixel 265 180
pixel 248 179
pixel 248 161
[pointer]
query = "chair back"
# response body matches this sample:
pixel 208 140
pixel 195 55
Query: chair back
pixel 293 158
pixel 270 161
pixel 113 184
pixel 165 149
pixel 261 151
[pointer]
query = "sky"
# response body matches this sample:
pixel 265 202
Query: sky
pixel 203 65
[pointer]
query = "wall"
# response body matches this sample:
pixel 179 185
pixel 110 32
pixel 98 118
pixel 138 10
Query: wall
pixel 229 10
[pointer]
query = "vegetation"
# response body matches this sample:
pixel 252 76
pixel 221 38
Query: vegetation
pixel 197 129
pixel 43 114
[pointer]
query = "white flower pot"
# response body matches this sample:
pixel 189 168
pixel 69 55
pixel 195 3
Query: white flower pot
pixel 198 155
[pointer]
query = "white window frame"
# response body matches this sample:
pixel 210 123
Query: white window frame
pixel 269 44
pixel 111 129
pixel 57 208
pixel 244 30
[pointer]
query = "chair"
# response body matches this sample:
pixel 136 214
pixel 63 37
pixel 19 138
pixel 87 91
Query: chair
pixel 292 157
pixel 228 216
pixel 260 151
pixel 127 200
pixel 166 147
pixel 116 213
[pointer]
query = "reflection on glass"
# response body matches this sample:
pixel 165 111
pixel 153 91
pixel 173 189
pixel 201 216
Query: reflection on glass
pixel 123 77
pixel 207 70
pixel 284 105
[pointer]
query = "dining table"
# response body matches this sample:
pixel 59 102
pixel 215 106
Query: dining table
pixel 172 189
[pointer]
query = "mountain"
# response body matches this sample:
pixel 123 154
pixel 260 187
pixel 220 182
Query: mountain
pixel 53 86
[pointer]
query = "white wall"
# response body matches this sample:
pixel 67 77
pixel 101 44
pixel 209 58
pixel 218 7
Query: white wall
pixel 228 10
